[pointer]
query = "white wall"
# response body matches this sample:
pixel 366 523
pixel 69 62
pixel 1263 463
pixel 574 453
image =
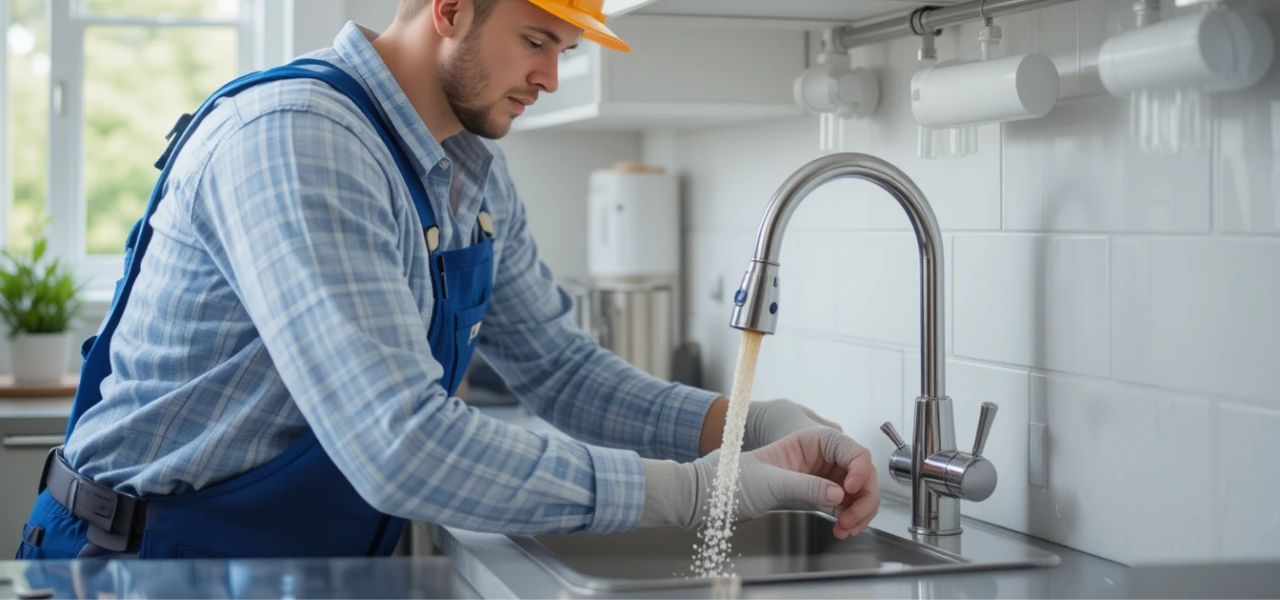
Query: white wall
pixel 1127 301
pixel 550 170
pixel 316 22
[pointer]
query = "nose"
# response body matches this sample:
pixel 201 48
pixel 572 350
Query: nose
pixel 547 74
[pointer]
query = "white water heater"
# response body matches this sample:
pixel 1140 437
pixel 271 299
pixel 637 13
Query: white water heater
pixel 633 224
pixel 633 259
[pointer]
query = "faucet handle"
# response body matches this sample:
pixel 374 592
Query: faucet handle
pixel 985 418
pixel 888 430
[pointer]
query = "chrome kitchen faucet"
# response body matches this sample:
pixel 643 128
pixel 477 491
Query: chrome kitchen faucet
pixel 938 473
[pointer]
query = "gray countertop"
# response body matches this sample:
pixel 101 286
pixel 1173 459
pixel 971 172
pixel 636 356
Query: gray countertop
pixel 502 570
pixel 396 577
pixel 35 408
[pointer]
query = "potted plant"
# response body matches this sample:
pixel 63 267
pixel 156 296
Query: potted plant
pixel 39 300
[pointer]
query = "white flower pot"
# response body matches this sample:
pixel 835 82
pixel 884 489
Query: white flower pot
pixel 40 358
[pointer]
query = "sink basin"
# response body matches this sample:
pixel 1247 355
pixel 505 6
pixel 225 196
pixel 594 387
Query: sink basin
pixel 781 546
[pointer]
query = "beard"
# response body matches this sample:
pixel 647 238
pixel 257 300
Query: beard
pixel 463 80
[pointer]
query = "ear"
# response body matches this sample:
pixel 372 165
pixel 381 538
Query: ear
pixel 451 17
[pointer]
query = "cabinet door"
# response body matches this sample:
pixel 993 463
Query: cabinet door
pixel 24 443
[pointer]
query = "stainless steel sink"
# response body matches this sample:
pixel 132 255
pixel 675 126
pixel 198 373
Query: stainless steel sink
pixel 780 546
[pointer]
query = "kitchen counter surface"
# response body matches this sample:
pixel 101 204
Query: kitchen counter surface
pixel 500 569
pixel 35 408
pixel 395 577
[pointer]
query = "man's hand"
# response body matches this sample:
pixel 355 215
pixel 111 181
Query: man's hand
pixel 771 420
pixel 814 469
pixel 767 421
pixel 831 455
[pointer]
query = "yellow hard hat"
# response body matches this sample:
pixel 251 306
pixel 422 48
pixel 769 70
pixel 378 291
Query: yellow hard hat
pixel 587 15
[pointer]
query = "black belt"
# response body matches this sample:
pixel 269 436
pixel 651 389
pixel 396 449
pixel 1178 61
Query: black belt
pixel 115 520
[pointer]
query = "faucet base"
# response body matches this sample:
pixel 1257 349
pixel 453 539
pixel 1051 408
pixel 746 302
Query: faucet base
pixel 924 531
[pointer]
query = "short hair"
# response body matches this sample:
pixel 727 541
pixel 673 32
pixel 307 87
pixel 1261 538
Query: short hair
pixel 409 9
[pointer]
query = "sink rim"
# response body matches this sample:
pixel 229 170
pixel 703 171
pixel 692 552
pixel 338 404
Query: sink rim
pixel 890 514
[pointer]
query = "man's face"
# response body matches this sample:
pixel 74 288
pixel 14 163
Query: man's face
pixel 500 68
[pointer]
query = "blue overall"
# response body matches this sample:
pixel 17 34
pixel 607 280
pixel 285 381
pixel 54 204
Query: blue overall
pixel 299 503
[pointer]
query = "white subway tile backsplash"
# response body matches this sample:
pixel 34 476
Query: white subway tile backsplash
pixel 1052 32
pixel 877 279
pixel 1077 170
pixel 1033 300
pixel 969 385
pixel 1197 314
pixel 855 386
pixel 719 349
pixel 1127 471
pixel 808 276
pixel 1247 151
pixel 1246 491
pixel 776 369
pixel 760 158
pixel 839 205
pixel 715 261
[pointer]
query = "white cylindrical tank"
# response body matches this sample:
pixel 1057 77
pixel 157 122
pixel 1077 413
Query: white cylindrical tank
pixel 633 223
pixel 1215 50
pixel 1005 89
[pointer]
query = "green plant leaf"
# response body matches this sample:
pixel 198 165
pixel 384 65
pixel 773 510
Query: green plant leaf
pixel 37 295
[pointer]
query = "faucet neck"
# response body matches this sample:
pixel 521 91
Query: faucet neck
pixel 756 304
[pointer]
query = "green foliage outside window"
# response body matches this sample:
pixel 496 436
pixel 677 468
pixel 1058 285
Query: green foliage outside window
pixel 28 112
pixel 37 294
pixel 137 81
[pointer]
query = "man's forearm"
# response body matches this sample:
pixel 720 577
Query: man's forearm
pixel 713 426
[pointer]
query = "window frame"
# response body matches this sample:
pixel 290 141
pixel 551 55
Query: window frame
pixel 65 202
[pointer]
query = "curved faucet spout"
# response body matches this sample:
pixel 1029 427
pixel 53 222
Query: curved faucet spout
pixel 938 473
pixel 756 302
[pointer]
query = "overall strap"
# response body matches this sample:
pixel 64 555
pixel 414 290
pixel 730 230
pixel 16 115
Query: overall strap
pixel 96 350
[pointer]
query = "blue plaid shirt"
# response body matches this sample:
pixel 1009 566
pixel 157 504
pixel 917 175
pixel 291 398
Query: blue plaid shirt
pixel 286 286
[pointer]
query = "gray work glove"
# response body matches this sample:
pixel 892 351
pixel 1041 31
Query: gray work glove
pixel 814 469
pixel 771 420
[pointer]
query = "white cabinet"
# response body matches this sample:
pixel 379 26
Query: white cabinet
pixel 791 10
pixel 676 75
pixel 28 430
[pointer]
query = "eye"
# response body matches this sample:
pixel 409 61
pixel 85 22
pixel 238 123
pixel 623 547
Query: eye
pixel 533 44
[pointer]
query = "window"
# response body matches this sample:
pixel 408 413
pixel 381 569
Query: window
pixel 91 87
pixel 26 126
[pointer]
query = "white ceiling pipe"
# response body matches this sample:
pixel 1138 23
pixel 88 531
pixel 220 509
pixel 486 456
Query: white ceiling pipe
pixel 1006 89
pixel 1216 50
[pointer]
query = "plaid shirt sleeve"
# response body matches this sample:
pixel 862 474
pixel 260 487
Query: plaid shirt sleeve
pixel 530 338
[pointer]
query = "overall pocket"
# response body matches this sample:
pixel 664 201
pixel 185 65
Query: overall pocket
pixel 466 330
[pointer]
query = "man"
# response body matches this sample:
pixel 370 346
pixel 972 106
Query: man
pixel 327 245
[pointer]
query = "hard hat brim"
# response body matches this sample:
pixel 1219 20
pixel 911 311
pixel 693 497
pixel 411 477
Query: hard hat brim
pixel 592 28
